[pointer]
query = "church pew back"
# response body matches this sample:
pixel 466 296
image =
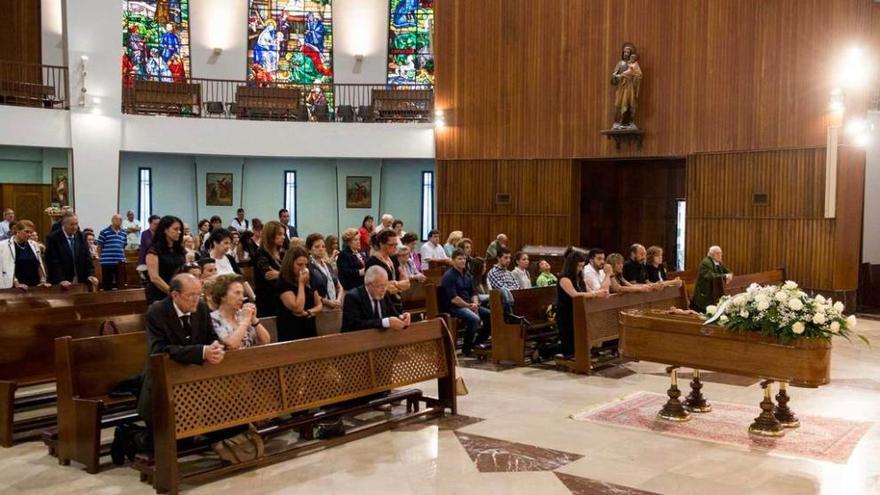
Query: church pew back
pixel 87 370
pixel 42 292
pixel 270 381
pixel 739 283
pixel 509 339
pixel 597 320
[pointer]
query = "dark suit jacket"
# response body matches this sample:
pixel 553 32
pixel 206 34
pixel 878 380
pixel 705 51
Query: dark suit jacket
pixel 291 233
pixel 165 334
pixel 349 267
pixel 357 310
pixel 703 288
pixel 61 265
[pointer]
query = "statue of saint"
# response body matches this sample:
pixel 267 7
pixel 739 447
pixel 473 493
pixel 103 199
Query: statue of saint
pixel 627 77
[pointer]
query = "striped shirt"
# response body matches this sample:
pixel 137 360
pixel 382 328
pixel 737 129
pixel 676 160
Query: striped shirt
pixel 112 244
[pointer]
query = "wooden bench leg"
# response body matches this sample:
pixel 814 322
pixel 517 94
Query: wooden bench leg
pixel 7 411
pixel 87 438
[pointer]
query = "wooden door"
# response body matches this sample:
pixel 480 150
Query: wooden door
pixel 29 202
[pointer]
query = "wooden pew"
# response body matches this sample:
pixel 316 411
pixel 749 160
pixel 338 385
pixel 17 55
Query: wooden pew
pixel 148 97
pixel 739 283
pixel 596 320
pixel 82 300
pixel 43 292
pixel 432 307
pixel 402 105
pixel 689 277
pixel 268 382
pixel 509 339
pixel 128 276
pixel 88 369
pixel 254 102
pixel 27 358
pixel 414 300
pixel 550 254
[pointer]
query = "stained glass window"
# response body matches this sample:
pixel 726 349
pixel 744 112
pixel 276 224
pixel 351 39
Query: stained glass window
pixel 410 52
pixel 290 41
pixel 155 40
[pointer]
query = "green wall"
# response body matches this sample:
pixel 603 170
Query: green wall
pixel 24 165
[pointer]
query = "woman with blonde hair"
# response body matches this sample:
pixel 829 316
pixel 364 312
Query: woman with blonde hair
pixel 452 241
pixel 620 285
pixel 351 263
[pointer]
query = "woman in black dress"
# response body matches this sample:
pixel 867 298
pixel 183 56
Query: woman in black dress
pixel 351 263
pixel 21 262
pixel 298 303
pixel 165 258
pixel 267 268
pixel 569 288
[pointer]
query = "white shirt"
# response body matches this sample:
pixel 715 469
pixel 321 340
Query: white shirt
pixel 592 278
pixel 376 303
pixel 380 228
pixel 224 267
pixel 522 277
pixel 240 226
pixel 431 251
pixel 133 239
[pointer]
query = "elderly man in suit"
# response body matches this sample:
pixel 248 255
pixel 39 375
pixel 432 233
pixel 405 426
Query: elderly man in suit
pixel 710 268
pixel 180 326
pixel 369 306
pixel 68 260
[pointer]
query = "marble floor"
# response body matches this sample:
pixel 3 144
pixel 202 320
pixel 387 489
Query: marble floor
pixel 515 436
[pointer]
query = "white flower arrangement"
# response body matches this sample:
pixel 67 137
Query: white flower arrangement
pixel 785 312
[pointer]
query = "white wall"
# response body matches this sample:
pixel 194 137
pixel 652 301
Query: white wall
pixel 871 227
pixel 218 24
pixel 361 28
pixel 53 32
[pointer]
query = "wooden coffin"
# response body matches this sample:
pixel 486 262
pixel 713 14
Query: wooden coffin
pixel 683 340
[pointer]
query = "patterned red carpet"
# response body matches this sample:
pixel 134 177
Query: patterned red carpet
pixel 822 438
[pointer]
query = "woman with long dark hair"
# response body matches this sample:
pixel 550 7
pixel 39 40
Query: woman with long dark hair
pixel 165 257
pixel 298 302
pixel 569 288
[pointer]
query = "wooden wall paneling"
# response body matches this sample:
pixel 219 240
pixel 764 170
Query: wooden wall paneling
pixel 850 213
pixel 21 36
pixel 719 75
pixel 29 202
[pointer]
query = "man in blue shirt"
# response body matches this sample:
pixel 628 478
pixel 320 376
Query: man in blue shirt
pixel 112 242
pixel 460 301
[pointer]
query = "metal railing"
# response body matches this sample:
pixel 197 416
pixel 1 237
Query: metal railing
pixel 33 85
pixel 252 100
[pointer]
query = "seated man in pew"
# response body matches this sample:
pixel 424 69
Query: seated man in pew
pixel 502 279
pixel 635 270
pixel 369 306
pixel 460 301
pixel 180 326
pixel 596 279
pixel 710 268
pixel 68 260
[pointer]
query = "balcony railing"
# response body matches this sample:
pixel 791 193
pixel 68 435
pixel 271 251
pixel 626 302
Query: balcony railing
pixel 249 100
pixel 33 85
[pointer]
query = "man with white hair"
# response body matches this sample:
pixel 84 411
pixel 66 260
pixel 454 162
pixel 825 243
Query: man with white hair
pixel 492 250
pixel 369 306
pixel 6 224
pixel 132 228
pixel 710 269
pixel 386 223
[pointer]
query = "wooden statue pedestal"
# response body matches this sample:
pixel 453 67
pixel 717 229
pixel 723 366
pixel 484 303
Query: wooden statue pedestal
pixel 625 136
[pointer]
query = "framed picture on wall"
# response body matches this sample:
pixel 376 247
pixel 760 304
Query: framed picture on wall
pixel 218 189
pixel 60 187
pixel 358 192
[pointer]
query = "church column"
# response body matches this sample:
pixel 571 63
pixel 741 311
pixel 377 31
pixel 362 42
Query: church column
pixel 93 30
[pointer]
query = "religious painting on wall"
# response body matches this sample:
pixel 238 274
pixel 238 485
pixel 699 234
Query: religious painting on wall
pixel 60 187
pixel 290 41
pixel 410 35
pixel 358 192
pixel 218 189
pixel 155 41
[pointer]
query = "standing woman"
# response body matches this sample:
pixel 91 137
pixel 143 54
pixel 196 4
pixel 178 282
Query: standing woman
pixel 219 246
pixel 385 247
pixel 351 263
pixel 298 303
pixel 332 248
pixel 365 233
pixel 570 288
pixel 267 268
pixel 165 257
pixel 20 263
pixel 452 241
pixel 323 280
pixel 204 232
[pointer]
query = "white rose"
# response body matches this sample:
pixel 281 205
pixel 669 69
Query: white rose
pixel 744 314
pixel 739 300
pixel 851 322
pixel 795 304
pixel 790 285
pixel 835 327
pixel 782 296
pixel 798 327
pixel 819 318
pixel 763 306
pixel 723 319
pixel 838 306
pixel 762 298
pixel 820 299
pixel 711 309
